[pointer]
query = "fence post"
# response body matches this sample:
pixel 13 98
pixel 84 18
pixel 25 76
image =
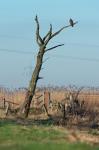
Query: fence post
pixel 4 103
pixel 46 101
pixel 7 108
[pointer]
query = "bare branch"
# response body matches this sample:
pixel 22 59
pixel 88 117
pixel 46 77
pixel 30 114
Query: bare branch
pixel 38 37
pixel 49 36
pixel 56 33
pixel 53 47
pixel 49 33
pixel 78 92
pixel 39 96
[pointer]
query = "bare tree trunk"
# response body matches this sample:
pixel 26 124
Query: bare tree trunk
pixel 32 85
pixel 42 43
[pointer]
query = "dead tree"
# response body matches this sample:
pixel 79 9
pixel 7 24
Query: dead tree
pixel 75 103
pixel 42 43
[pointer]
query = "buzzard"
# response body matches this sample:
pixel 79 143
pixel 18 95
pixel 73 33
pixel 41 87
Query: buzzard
pixel 71 22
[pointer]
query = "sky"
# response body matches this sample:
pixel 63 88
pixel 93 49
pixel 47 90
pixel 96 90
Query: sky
pixel 75 63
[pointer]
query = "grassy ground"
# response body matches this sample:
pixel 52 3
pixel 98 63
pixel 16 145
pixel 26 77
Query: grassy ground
pixel 20 137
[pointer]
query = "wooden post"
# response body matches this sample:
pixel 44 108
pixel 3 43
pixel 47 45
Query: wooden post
pixel 4 103
pixel 47 99
pixel 7 108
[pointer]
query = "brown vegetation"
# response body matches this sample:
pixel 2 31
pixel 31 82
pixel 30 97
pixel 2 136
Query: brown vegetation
pixel 84 115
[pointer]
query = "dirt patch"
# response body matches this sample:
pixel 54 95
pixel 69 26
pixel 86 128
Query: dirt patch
pixel 83 137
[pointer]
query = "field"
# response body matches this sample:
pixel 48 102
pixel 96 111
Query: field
pixel 15 136
pixel 55 133
pixel 90 95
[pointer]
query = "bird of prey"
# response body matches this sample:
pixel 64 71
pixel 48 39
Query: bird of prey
pixel 71 22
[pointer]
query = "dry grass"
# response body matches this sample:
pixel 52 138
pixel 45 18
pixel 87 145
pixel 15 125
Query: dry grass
pixel 90 97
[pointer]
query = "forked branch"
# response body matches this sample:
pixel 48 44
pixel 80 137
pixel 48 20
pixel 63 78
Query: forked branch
pixel 44 41
pixel 38 37
pixel 48 34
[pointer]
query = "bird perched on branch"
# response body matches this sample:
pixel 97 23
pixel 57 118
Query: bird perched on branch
pixel 71 22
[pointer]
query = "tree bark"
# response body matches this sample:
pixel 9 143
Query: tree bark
pixel 32 85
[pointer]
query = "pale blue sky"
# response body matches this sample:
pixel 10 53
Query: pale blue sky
pixel 75 63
